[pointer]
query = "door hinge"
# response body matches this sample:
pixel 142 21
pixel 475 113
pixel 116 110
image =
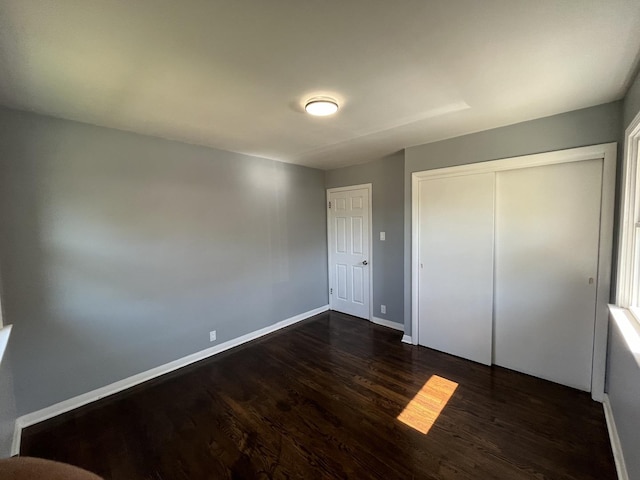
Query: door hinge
pixel 331 291
pixel 329 204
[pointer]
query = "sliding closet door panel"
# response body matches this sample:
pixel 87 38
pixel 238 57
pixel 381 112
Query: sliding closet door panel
pixel 456 265
pixel 547 234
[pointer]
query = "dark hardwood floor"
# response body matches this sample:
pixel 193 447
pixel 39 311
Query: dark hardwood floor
pixel 322 399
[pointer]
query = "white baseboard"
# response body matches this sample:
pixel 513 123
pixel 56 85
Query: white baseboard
pixel 387 323
pixel 89 397
pixel 616 446
pixel 407 339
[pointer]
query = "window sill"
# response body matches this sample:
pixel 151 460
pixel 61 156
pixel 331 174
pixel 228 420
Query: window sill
pixel 4 340
pixel 629 327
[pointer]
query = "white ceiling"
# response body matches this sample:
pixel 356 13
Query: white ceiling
pixel 234 74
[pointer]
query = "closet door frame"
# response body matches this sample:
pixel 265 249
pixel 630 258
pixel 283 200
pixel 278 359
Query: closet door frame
pixel 606 152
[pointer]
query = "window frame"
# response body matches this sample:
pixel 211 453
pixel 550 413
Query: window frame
pixel 628 284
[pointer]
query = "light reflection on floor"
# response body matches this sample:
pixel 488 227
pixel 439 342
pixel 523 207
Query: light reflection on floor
pixel 423 411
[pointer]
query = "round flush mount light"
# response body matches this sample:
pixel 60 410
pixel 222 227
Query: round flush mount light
pixel 321 106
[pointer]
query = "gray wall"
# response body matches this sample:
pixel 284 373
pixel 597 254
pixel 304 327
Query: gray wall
pixel 623 370
pixel 623 388
pixel 590 126
pixel 386 177
pixel 120 252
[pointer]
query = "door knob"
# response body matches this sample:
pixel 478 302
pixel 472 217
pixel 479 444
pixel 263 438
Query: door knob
pixel 364 262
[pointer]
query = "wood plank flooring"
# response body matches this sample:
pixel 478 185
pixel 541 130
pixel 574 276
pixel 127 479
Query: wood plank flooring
pixel 321 399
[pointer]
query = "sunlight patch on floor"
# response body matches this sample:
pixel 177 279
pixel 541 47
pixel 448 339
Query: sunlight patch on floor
pixel 425 408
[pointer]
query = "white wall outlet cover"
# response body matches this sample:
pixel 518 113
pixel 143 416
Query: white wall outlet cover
pixel 383 309
pixel 212 336
pixel 383 236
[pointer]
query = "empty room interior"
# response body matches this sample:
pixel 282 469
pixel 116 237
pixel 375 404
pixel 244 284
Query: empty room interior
pixel 338 239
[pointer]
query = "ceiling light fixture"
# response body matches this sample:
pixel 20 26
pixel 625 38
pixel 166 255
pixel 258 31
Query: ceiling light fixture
pixel 321 106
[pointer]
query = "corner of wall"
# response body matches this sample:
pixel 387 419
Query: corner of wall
pixel 631 101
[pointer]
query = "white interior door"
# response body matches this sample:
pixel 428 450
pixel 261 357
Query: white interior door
pixel 456 265
pixel 547 234
pixel 349 260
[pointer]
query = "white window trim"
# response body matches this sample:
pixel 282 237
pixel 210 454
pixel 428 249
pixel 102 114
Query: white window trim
pixel 630 212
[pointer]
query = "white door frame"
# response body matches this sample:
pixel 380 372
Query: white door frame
pixel 369 188
pixel 607 152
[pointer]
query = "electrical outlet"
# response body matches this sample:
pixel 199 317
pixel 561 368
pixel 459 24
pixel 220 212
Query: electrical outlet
pixel 383 236
pixel 212 336
pixel 383 309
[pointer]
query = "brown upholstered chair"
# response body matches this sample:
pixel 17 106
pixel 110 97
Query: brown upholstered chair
pixel 27 468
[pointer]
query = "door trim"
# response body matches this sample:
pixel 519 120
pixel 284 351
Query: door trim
pixel 606 152
pixel 369 187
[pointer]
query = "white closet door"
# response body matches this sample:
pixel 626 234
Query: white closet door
pixel 456 265
pixel 547 233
